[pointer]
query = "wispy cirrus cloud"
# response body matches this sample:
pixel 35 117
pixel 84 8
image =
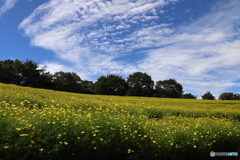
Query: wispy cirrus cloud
pixel 99 37
pixel 202 55
pixel 6 5
pixel 91 34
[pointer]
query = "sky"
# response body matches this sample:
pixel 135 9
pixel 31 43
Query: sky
pixel 195 42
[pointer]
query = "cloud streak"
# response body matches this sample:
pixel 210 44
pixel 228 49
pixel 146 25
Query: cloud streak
pixel 7 4
pixel 100 37
pixel 202 55
pixel 91 34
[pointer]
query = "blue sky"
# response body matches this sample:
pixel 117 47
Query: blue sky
pixel 196 42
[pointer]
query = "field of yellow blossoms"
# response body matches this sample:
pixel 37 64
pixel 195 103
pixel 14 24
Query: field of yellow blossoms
pixel 46 124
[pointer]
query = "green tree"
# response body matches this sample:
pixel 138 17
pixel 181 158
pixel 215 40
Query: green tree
pixel 46 79
pixel 11 71
pixel 140 84
pixel 23 73
pixel 67 81
pixel 236 96
pixel 110 85
pixel 208 95
pixel 31 75
pixel 169 89
pixel 87 87
pixel 226 96
pixel 188 96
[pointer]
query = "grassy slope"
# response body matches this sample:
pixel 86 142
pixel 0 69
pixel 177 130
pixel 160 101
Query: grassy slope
pixel 46 124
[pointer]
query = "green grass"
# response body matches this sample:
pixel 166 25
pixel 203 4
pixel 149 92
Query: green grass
pixel 45 124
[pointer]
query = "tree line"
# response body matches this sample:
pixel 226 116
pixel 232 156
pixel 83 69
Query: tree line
pixel 29 74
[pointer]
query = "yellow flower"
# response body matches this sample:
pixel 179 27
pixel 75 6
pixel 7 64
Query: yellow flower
pixel 66 143
pixel 6 147
pixel 22 135
pixel 129 150
pixel 32 141
pixel 194 146
pixel 60 142
pixel 78 137
pixel 41 149
pixel 18 129
pixel 95 148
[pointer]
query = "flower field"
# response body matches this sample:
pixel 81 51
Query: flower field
pixel 46 124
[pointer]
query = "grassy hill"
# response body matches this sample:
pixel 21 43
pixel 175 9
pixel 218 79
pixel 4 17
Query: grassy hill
pixel 46 124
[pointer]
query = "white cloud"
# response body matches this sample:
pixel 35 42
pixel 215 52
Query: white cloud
pixel 7 4
pixel 201 56
pixel 93 34
pixel 88 33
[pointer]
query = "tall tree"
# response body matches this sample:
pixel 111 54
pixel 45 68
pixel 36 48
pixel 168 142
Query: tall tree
pixel 169 89
pixel 11 71
pixel 87 87
pixel 67 81
pixel 140 84
pixel 46 79
pixel 188 96
pixel 208 95
pixel 226 96
pixel 110 85
pixel 31 74
pixel 236 96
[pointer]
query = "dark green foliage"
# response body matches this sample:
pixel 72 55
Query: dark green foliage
pixel 87 87
pixel 140 84
pixel 229 96
pixel 168 89
pixel 226 96
pixel 11 71
pixel 188 96
pixel 29 74
pixel 110 85
pixel 23 73
pixel 236 96
pixel 208 95
pixel 46 79
pixel 67 81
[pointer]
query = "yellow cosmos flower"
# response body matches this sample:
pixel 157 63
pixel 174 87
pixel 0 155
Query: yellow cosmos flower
pixel 22 135
pixel 129 150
